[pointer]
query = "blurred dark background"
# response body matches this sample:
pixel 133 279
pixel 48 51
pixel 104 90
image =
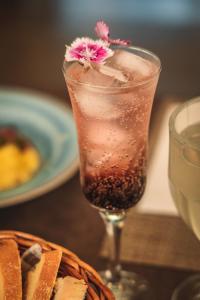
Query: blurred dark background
pixel 34 33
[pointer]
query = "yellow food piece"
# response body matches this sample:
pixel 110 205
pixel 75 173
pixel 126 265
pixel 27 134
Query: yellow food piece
pixel 17 166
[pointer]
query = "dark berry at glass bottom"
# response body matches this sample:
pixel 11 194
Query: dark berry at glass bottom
pixel 112 120
pixel 114 192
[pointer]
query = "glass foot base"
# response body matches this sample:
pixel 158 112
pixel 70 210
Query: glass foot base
pixel 188 289
pixel 130 286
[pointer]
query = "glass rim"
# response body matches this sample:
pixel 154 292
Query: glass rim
pixel 183 284
pixel 172 128
pixel 132 83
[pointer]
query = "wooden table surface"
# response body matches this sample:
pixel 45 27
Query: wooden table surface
pixel 33 35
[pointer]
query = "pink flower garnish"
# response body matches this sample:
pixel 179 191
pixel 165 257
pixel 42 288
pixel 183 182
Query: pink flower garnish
pixel 103 32
pixel 87 51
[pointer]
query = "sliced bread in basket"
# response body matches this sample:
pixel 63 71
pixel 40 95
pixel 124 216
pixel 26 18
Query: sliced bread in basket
pixel 51 272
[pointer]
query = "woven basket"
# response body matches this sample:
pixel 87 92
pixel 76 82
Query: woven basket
pixel 70 264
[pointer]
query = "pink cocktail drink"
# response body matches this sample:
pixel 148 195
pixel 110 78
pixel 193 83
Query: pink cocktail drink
pixel 112 94
pixel 112 106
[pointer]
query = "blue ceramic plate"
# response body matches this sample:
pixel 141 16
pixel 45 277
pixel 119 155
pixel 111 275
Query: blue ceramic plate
pixel 51 128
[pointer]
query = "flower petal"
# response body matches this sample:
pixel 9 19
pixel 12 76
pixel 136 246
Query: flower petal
pixel 102 30
pixel 119 42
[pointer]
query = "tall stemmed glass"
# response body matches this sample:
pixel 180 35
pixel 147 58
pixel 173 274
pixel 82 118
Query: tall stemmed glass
pixel 184 178
pixel 112 122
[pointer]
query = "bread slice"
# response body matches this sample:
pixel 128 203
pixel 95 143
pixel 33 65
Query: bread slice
pixel 41 280
pixel 10 271
pixel 70 288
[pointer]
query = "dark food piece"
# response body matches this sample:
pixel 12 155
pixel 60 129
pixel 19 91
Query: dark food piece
pixel 31 257
pixel 10 134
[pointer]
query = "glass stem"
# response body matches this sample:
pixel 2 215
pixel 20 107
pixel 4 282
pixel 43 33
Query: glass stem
pixel 114 223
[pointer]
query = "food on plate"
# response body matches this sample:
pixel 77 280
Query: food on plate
pixel 19 158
